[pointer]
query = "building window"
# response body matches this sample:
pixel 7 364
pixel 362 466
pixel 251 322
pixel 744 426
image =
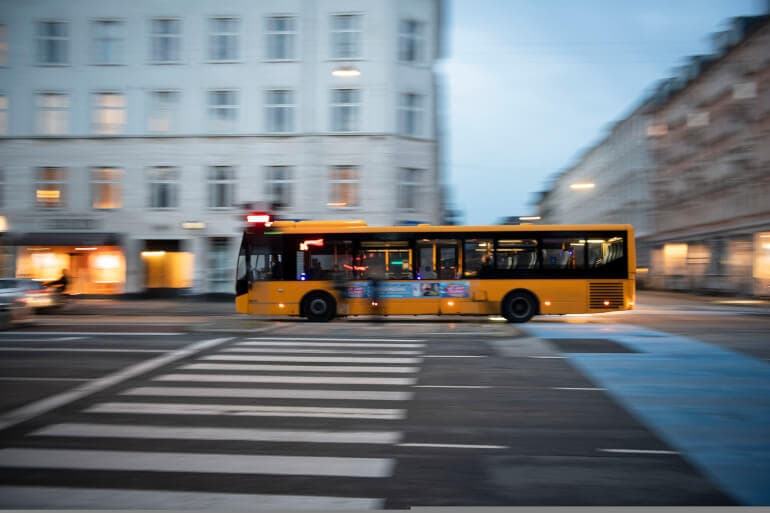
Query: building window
pixel 411 41
pixel 50 187
pixel 223 109
pixel 281 38
pixel 53 42
pixel 224 36
pixel 2 191
pixel 409 185
pixel 346 106
pixel 52 113
pixel 343 187
pixel 279 182
pixel 109 113
pixel 106 190
pixel 3 114
pixel 164 187
pixel 346 36
pixel 108 36
pixel 221 186
pixel 279 111
pixel 3 45
pixel 410 114
pixel 163 112
pixel 166 40
pixel 220 270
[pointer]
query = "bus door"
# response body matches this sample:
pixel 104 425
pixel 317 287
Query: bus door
pixel 447 261
pixel 263 268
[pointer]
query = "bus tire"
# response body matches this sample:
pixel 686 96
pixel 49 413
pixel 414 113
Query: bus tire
pixel 319 307
pixel 519 306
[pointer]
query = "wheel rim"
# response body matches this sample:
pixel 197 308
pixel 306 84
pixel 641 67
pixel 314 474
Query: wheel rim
pixel 317 306
pixel 520 307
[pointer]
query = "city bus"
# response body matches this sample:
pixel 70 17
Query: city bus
pixel 320 270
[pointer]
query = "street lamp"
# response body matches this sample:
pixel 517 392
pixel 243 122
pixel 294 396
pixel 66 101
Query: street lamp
pixel 582 185
pixel 346 72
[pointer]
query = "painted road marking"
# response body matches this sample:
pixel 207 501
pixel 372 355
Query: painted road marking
pixel 278 350
pixel 455 356
pixel 81 350
pixel 39 497
pixel 327 339
pixel 11 378
pixel 298 368
pixel 202 433
pixel 454 446
pixel 309 359
pixel 241 410
pixel 45 405
pixel 587 389
pixel 318 380
pixel 255 393
pixel 326 344
pixel 106 333
pixel 451 386
pixel 186 462
pixel 637 451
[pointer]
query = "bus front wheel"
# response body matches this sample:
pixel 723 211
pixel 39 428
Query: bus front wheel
pixel 519 306
pixel 319 307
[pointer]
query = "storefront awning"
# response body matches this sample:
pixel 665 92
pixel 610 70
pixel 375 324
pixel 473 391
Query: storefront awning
pixel 64 239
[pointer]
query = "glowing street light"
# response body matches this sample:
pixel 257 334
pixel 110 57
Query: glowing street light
pixel 346 72
pixel 582 185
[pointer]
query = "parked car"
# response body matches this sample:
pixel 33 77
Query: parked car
pixel 33 294
pixel 13 308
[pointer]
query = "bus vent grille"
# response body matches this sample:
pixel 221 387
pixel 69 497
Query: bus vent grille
pixel 605 295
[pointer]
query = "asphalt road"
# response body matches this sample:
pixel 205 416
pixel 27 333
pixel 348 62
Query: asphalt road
pixel 661 406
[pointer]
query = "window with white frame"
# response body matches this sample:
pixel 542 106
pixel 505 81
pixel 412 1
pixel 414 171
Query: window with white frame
pixel 279 185
pixel 53 42
pixel 410 114
pixel 50 187
pixel 221 186
pixel 346 36
pixel 107 42
pixel 346 110
pixel 281 34
pixel 343 187
pixel 163 111
pixel 3 44
pixel 220 270
pixel 223 109
pixel 165 40
pixel 106 189
pixel 279 111
pixel 411 41
pixel 3 114
pixel 109 113
pixel 163 182
pixel 224 39
pixel 409 185
pixel 53 113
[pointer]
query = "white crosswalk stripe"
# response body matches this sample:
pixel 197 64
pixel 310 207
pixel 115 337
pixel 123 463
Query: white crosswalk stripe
pixel 286 373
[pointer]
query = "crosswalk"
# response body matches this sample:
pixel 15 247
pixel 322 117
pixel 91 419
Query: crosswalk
pixel 286 423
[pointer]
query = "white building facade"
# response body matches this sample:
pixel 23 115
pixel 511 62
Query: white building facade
pixel 134 136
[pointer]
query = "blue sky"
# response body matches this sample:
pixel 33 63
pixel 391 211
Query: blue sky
pixel 530 83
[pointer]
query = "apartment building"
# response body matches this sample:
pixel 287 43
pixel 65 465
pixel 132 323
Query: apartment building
pixel 134 136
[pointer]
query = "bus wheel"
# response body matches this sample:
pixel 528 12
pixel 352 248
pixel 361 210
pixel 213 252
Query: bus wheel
pixel 519 306
pixel 319 307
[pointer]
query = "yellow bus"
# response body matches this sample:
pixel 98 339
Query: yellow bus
pixel 323 269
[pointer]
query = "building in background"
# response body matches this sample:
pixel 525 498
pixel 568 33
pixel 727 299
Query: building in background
pixel 706 172
pixel 135 135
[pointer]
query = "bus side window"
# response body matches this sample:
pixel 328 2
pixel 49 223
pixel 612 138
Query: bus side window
pixel 477 257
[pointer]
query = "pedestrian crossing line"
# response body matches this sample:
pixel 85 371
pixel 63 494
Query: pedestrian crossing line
pixel 295 343
pixel 293 350
pixel 298 368
pixel 272 393
pixel 240 410
pixel 39 497
pixel 327 339
pixel 309 380
pixel 89 430
pixel 308 359
pixel 195 462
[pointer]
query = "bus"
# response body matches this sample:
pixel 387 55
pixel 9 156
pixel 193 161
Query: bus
pixel 320 270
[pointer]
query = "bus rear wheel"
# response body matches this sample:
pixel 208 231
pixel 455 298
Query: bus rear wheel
pixel 319 307
pixel 519 306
